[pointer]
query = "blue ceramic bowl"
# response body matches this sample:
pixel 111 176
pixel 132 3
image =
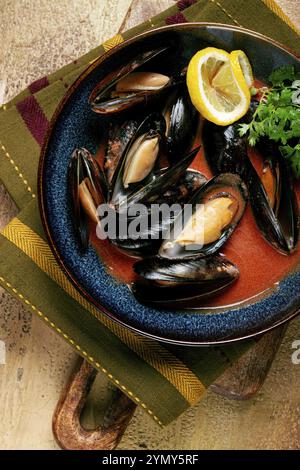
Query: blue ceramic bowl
pixel 75 125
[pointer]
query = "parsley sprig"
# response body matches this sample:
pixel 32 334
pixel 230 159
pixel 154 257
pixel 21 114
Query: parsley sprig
pixel 278 115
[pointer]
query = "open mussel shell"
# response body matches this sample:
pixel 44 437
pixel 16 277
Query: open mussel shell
pixel 271 181
pixel 156 222
pixel 88 189
pixel 127 87
pixel 139 159
pixel 208 220
pixel 179 283
pixel 272 196
pixel 153 189
pixel 273 200
pixel 79 216
pixel 118 137
pixel 182 123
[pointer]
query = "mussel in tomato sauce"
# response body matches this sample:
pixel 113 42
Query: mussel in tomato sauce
pixel 213 214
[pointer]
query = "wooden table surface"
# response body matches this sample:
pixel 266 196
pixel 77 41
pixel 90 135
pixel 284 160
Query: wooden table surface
pixel 37 37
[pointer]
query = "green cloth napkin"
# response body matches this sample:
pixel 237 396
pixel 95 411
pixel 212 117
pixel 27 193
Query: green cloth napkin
pixel 163 379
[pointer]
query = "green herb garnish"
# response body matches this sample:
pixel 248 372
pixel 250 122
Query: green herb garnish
pixel 278 116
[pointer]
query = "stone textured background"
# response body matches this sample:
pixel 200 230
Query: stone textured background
pixel 37 37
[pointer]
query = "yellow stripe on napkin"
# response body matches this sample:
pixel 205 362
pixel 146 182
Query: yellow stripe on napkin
pixel 113 42
pixel 275 8
pixel 168 365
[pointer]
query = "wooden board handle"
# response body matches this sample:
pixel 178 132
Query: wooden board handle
pixel 67 429
pixel 246 376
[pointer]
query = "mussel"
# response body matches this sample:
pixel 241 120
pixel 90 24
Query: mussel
pixel 156 222
pixel 208 220
pixel 127 87
pixel 88 189
pixel 273 200
pixel 225 151
pixel 271 181
pixel 161 182
pixel 118 137
pixel 272 196
pixel 181 283
pixel 139 158
pixel 182 122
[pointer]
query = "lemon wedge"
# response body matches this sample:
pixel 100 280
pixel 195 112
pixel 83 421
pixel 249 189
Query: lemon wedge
pixel 241 65
pixel 217 89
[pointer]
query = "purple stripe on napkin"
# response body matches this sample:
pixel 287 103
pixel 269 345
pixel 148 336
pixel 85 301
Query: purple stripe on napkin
pixel 38 85
pixel 34 118
pixel 177 18
pixel 183 4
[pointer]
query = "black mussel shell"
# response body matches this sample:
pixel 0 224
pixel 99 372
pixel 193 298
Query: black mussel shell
pixel 150 130
pixel 225 151
pixel 79 217
pixel 184 189
pixel 85 176
pixel 276 215
pixel 155 223
pixel 177 283
pixel 150 230
pixel 95 174
pixel 227 197
pixel 101 98
pixel 182 123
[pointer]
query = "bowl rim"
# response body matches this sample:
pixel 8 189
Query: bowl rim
pixel 41 194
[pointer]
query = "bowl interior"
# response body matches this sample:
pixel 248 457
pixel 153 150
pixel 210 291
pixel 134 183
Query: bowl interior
pixel 75 125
